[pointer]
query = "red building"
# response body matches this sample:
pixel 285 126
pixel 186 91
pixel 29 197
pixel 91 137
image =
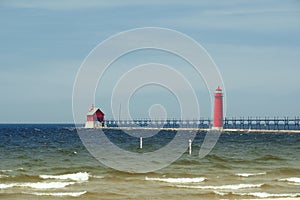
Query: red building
pixel 94 118
pixel 218 109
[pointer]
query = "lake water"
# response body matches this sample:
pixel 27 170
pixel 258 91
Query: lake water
pixel 50 162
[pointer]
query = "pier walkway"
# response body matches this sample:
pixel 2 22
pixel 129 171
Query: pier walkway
pixel 249 123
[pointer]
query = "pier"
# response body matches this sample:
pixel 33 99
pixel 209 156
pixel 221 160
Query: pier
pixel 249 124
pixel 95 119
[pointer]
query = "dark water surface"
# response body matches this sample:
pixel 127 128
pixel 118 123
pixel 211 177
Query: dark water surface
pixel 50 162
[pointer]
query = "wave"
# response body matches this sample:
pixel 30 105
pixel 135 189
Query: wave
pixel 291 179
pixel 258 194
pixel 286 170
pixel 69 128
pixel 6 170
pixel 4 186
pixel 57 194
pixel 214 157
pixel 267 195
pixel 37 185
pixel 10 170
pixel 183 161
pixel 80 176
pixel 270 158
pixel 221 166
pixel 177 180
pixel 98 177
pixel 223 187
pixel 250 174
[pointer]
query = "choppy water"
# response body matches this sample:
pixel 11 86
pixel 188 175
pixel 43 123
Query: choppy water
pixel 50 162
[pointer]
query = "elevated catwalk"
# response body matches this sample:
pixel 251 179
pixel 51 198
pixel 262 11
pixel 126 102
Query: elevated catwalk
pixel 230 124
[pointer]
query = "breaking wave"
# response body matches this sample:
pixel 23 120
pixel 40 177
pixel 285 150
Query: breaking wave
pixel 57 194
pixel 6 170
pixel 80 176
pixel 265 194
pixel 37 185
pixel 222 187
pixel 291 179
pixel 177 180
pixel 250 174
pixel 259 194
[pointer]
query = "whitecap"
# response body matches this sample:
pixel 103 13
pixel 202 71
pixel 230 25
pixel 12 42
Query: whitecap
pixel 259 194
pixel 250 174
pixel 266 195
pixel 69 128
pixel 177 180
pixel 57 194
pixel 222 187
pixel 95 176
pixel 46 185
pixel 37 185
pixel 8 185
pixel 6 170
pixel 80 176
pixel 221 193
pixel 291 179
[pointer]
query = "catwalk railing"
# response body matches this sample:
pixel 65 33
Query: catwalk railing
pixel 276 123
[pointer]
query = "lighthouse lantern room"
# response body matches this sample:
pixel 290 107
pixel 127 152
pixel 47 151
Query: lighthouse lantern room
pixel 94 118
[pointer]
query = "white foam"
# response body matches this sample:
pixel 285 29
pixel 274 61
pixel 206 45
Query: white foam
pixel 3 176
pixel 10 170
pixel 250 174
pixel 58 194
pixel 221 193
pixel 6 170
pixel 222 187
pixel 291 179
pixel 46 185
pixel 69 128
pixel 259 194
pixel 266 195
pixel 37 185
pixel 9 185
pixel 95 176
pixel 80 176
pixel 177 180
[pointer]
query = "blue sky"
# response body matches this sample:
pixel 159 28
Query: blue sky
pixel 256 45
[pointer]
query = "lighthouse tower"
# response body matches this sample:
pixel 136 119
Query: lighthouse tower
pixel 218 109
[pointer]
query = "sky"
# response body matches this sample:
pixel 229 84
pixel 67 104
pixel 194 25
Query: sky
pixel 255 44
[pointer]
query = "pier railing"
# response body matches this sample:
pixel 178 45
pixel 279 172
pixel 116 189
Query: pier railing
pixel 267 123
pixel 275 123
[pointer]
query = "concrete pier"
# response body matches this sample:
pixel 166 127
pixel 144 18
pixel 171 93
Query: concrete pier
pixel 203 129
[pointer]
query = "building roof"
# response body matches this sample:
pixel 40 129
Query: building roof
pixel 93 110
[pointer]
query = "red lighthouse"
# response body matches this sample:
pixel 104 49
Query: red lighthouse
pixel 218 109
